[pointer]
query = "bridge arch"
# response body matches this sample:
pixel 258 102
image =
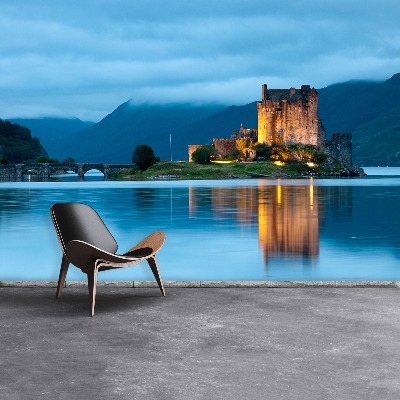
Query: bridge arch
pixel 47 169
pixel 83 168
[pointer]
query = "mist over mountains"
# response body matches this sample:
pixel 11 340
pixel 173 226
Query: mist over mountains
pixel 369 110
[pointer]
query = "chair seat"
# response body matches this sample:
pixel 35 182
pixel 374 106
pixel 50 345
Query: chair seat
pixel 139 253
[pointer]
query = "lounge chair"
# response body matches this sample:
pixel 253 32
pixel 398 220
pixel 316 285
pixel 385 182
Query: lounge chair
pixel 88 244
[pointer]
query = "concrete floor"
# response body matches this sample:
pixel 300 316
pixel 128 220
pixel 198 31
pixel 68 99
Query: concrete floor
pixel 207 343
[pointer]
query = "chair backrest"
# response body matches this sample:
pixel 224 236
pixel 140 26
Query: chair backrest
pixel 77 221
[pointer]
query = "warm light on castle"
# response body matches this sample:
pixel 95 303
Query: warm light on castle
pixel 286 116
pixel 289 116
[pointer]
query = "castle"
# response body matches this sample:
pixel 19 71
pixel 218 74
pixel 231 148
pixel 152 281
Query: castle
pixel 288 116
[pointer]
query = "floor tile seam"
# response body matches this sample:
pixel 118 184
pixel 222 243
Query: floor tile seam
pixel 205 284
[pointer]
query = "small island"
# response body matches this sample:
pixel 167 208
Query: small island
pixel 164 170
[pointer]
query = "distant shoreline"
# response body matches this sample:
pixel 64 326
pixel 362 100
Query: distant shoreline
pixel 166 170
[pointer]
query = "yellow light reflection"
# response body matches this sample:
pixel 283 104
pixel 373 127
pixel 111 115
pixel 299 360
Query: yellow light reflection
pixel 288 222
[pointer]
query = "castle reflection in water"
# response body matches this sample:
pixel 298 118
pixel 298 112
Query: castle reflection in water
pixel 289 218
pixel 288 221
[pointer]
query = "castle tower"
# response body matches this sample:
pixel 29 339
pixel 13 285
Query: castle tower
pixel 289 116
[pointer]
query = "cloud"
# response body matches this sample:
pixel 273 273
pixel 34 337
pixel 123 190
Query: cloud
pixel 85 58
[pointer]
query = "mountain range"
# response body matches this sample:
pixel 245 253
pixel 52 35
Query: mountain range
pixel 369 110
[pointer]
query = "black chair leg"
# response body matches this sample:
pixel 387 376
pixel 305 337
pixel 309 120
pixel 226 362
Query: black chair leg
pixel 154 268
pixel 62 276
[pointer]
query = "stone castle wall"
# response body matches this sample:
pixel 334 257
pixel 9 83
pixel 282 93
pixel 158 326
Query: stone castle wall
pixel 289 116
pixel 224 146
pixel 340 147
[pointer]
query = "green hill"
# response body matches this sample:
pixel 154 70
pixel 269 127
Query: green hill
pixel 377 142
pixel 371 112
pixel 114 138
pixel 380 150
pixel 51 130
pixel 17 144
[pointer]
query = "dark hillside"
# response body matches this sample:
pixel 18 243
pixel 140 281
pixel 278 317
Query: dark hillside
pixel 219 125
pixel 51 130
pixel 344 106
pixel 114 138
pixel 17 144
pixel 371 112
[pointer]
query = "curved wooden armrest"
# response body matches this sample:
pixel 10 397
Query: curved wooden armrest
pixel 82 254
pixel 148 246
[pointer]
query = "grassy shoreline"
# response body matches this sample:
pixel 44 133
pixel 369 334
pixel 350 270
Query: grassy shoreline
pixel 189 170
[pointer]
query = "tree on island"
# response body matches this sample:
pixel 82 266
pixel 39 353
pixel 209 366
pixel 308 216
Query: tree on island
pixel 263 151
pixel 143 157
pixel 69 160
pixel 46 160
pixel 204 154
pixel 298 153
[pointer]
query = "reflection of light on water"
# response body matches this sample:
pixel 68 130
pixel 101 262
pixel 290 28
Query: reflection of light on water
pixel 288 222
pixel 192 203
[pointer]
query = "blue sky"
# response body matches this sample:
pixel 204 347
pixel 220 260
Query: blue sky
pixel 84 58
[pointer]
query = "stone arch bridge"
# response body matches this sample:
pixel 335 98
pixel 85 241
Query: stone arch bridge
pixel 17 171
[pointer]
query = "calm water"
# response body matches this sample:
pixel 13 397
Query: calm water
pixel 302 229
